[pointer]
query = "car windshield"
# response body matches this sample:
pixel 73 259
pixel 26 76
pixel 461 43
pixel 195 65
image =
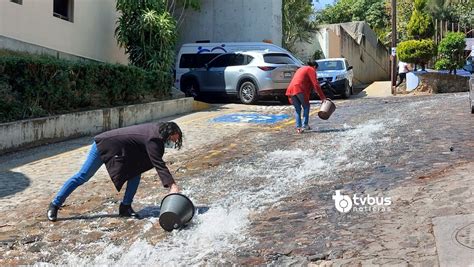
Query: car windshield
pixel 330 65
pixel 278 58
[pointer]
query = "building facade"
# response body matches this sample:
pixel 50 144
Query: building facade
pixel 234 21
pixel 72 29
pixel 84 29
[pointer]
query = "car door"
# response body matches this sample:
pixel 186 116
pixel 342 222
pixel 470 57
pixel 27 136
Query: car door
pixel 233 72
pixel 213 80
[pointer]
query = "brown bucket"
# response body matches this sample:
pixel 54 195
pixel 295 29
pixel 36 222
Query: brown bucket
pixel 327 108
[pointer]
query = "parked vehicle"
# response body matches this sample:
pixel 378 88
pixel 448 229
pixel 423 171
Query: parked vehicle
pixel 470 67
pixel 471 93
pixel 195 55
pixel 249 75
pixel 338 73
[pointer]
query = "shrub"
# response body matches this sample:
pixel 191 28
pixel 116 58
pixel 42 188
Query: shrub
pixel 416 51
pixel 450 50
pixel 34 86
pixel 318 54
pixel 420 25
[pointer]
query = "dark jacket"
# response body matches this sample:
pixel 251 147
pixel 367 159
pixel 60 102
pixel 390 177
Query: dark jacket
pixel 130 151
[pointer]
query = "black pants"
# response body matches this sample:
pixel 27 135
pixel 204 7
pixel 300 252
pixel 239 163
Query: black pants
pixel 402 77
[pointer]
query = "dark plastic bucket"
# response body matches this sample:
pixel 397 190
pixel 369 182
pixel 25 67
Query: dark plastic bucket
pixel 327 108
pixel 176 210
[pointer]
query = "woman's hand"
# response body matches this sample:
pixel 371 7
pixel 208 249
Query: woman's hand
pixel 174 188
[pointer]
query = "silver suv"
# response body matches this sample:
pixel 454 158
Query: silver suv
pixel 248 75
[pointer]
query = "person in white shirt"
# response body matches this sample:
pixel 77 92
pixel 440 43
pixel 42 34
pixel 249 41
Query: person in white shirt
pixel 402 72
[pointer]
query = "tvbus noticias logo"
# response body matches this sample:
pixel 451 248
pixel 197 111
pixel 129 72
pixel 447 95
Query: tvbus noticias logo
pixel 361 203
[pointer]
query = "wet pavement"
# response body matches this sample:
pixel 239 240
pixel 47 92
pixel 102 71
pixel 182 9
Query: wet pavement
pixel 264 194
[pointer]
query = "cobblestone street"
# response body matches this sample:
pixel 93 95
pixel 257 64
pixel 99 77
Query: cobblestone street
pixel 264 194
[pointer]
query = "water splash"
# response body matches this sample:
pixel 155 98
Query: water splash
pixel 240 190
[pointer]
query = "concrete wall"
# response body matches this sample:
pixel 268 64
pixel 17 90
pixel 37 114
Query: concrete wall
pixel 369 58
pixel 371 63
pixel 90 34
pixel 16 135
pixel 234 21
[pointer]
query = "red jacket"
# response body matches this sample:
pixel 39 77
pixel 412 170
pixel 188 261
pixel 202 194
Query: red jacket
pixel 303 81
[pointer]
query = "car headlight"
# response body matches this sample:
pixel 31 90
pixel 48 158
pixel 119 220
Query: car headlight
pixel 340 77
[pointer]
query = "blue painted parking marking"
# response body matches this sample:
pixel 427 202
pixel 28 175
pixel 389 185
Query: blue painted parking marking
pixel 251 118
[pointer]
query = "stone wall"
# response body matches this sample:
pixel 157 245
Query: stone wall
pixel 434 83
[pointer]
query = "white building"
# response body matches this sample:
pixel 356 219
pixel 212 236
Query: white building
pixel 85 28
pixel 63 28
pixel 234 21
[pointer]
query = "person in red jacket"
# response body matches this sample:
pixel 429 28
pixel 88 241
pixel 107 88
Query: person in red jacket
pixel 299 92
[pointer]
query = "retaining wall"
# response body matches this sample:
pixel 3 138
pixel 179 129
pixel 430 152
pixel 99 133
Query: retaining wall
pixel 27 133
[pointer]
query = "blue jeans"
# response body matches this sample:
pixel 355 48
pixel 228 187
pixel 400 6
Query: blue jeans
pixel 89 168
pixel 298 102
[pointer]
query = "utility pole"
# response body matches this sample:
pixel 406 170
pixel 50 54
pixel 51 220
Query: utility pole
pixel 394 45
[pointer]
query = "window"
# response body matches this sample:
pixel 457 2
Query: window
pixel 330 65
pixel 278 58
pixel 237 60
pixel 20 2
pixel 63 9
pixel 196 60
pixel 222 61
pixel 249 59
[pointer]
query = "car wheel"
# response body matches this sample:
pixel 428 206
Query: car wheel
pixel 347 91
pixel 248 93
pixel 191 89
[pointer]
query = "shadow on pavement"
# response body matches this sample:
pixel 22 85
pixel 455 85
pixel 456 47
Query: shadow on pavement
pixel 29 155
pixel 360 95
pixel 329 130
pixel 12 183
pixel 89 217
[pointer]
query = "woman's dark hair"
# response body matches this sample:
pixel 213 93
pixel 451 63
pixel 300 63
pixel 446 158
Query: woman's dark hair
pixel 167 129
pixel 312 64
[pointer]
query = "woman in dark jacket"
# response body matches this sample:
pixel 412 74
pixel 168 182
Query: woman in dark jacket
pixel 127 153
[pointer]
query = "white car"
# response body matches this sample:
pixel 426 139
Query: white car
pixel 471 93
pixel 470 67
pixel 338 73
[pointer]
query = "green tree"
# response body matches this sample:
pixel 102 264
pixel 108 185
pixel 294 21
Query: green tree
pixel 147 31
pixel 338 13
pixel 464 12
pixel 404 11
pixel 177 8
pixel 421 23
pixel 416 51
pixel 451 49
pixel 297 23
pixel 441 9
